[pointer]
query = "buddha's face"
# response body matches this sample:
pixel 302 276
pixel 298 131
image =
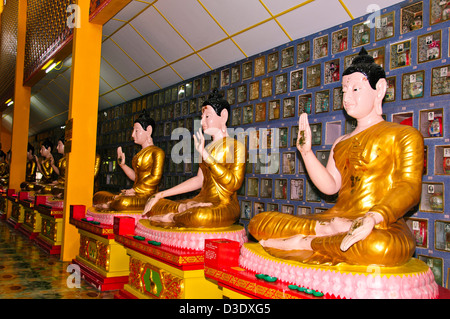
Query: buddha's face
pixel 30 155
pixel 45 152
pixel 60 147
pixel 211 122
pixel 139 135
pixel 359 97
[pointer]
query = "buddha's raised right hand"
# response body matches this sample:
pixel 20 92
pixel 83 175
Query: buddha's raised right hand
pixel 304 134
pixel 120 156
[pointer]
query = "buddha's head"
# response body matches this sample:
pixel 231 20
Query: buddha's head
pixel 215 111
pixel 60 145
pixel 30 151
pixel 46 148
pixel 143 129
pixel 364 87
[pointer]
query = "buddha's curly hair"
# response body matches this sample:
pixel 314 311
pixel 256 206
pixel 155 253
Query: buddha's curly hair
pixel 47 143
pixel 365 64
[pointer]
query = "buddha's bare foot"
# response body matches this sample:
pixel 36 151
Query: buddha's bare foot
pixel 102 206
pixel 166 218
pixel 298 242
pixel 335 226
pixel 185 206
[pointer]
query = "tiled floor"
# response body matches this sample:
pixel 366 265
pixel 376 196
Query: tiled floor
pixel 27 272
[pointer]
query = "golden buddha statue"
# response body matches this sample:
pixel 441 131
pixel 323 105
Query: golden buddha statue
pixel 4 169
pixel 57 187
pixel 146 171
pixel 30 170
pixel 221 174
pixel 45 166
pixel 377 170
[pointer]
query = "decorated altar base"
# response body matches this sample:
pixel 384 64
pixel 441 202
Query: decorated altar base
pixel 3 204
pixel 31 226
pixel 17 215
pixel 50 236
pixel 103 262
pixel 412 280
pixel 164 265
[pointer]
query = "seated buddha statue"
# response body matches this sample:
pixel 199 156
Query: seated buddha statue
pixel 146 171
pixel 4 169
pixel 45 165
pixel 30 170
pixel 377 172
pixel 221 173
pixel 57 187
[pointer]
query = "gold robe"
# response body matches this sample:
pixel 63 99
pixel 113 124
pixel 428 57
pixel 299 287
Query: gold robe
pixel 381 169
pixel 148 166
pixel 58 189
pixel 4 173
pixel 223 174
pixel 30 176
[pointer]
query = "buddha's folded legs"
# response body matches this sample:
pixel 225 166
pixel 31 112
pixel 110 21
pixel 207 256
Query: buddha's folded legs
pixel 110 201
pixel 214 215
pixel 387 247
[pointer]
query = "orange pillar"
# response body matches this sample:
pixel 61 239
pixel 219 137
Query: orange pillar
pixel 83 109
pixel 21 114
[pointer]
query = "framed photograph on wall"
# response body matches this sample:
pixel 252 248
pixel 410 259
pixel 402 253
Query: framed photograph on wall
pixel 236 115
pixel 390 89
pixel 287 209
pixel 215 80
pixel 288 163
pixel 246 209
pixel 303 210
pixel 442 235
pixel 400 54
pixel 280 188
pixel 236 74
pixel 231 96
pixel 254 91
pixel 320 47
pixel 272 61
pixel 260 112
pixel 339 41
pixel 304 103
pixel 440 80
pixel 296 80
pixel 242 93
pixel 360 35
pixel 282 137
pixel 247 114
pixel 385 26
pixel 289 107
pixel 197 89
pixel 338 98
pixel 413 85
pixel 287 57
pixel 331 71
pixel 266 87
pixel 313 76
pixel 253 187
pixel 297 189
pixel 281 83
pixel 294 135
pixel 322 101
pixel 247 70
pixel 316 133
pixel 274 109
pixel 225 77
pixel 411 17
pixel 258 208
pixel 260 66
pixel 436 265
pixel 439 11
pixel 206 83
pixel 429 47
pixel 303 52
pixel 266 188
